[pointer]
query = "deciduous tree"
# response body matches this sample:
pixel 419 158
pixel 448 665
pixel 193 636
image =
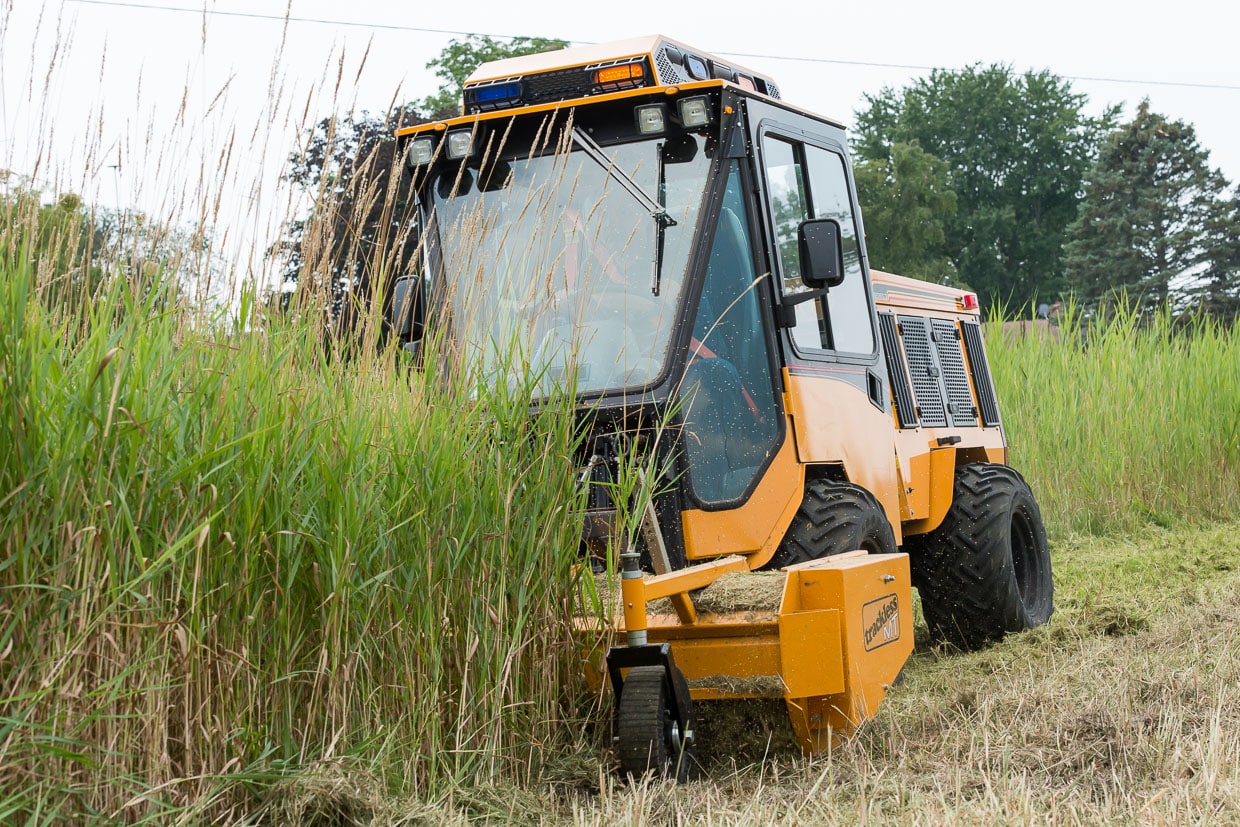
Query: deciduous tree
pixel 360 230
pixel 460 58
pixel 1017 148
pixel 906 201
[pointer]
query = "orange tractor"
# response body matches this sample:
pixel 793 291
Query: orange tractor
pixel 657 231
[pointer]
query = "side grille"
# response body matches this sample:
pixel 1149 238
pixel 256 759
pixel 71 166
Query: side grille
pixel 955 380
pixel 981 373
pixel 906 409
pixel 924 371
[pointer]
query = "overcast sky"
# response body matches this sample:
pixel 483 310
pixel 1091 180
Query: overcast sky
pixel 134 102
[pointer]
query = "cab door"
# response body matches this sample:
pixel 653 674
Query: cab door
pixel 833 373
pixel 743 481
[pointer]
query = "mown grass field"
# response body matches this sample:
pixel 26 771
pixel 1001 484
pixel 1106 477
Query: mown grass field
pixel 1125 709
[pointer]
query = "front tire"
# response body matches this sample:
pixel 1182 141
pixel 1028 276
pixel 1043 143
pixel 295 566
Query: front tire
pixel 834 517
pixel 986 570
pixel 649 739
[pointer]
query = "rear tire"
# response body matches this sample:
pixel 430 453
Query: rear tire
pixel 649 737
pixel 834 517
pixel 986 570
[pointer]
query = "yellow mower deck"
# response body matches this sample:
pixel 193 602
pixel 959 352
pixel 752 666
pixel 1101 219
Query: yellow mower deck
pixel 830 641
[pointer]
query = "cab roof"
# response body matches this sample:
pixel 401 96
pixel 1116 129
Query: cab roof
pixel 598 69
pixel 673 62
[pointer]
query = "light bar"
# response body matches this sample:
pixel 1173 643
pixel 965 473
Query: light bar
pixel 624 76
pixel 493 96
pixel 615 74
pixel 421 151
pixel 497 94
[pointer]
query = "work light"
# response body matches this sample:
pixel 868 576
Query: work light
pixel 460 143
pixel 693 112
pixel 421 151
pixel 651 118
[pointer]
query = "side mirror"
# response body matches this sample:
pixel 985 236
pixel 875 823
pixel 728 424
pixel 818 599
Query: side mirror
pixel 680 150
pixel 497 176
pixel 404 298
pixel 822 253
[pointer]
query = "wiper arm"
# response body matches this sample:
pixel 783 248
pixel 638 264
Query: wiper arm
pixel 662 218
pixel 591 148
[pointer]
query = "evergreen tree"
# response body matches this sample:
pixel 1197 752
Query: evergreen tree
pixel 1017 148
pixel 906 202
pixel 1218 293
pixel 1154 224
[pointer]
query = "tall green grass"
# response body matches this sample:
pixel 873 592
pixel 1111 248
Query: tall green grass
pixel 225 554
pixel 1129 420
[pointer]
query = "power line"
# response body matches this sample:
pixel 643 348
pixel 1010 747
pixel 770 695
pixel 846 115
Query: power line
pixel 919 68
pixel 824 60
pixel 280 17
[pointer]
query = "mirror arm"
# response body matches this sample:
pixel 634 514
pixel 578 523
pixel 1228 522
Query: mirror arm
pixel 785 312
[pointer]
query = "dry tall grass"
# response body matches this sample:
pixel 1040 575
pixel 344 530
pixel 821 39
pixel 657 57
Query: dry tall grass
pixel 1126 421
pixel 229 554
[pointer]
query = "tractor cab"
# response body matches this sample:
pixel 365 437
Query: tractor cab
pixel 591 221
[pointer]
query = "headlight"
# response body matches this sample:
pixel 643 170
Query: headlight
pixel 459 144
pixel 421 151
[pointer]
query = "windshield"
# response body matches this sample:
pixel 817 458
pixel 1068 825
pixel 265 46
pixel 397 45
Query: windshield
pixel 549 260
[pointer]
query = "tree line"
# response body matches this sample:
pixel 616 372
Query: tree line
pixel 998 181
pixel 74 248
pixel 981 177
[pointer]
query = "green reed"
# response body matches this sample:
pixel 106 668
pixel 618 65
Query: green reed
pixel 229 552
pixel 1124 420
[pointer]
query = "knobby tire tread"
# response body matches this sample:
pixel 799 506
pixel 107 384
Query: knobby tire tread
pixel 834 517
pixel 643 724
pixel 972 590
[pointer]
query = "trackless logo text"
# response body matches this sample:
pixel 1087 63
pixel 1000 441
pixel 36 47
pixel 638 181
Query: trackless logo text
pixel 881 621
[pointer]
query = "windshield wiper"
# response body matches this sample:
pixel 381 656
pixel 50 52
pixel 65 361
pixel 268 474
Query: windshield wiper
pixel 591 148
pixel 658 212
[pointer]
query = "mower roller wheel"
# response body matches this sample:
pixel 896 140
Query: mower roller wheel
pixel 648 735
pixel 986 570
pixel 834 517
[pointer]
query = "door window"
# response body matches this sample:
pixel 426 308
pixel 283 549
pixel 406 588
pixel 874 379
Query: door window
pixel 806 181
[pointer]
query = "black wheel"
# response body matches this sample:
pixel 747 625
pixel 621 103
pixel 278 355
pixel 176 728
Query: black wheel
pixel 649 737
pixel 986 570
pixel 834 517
